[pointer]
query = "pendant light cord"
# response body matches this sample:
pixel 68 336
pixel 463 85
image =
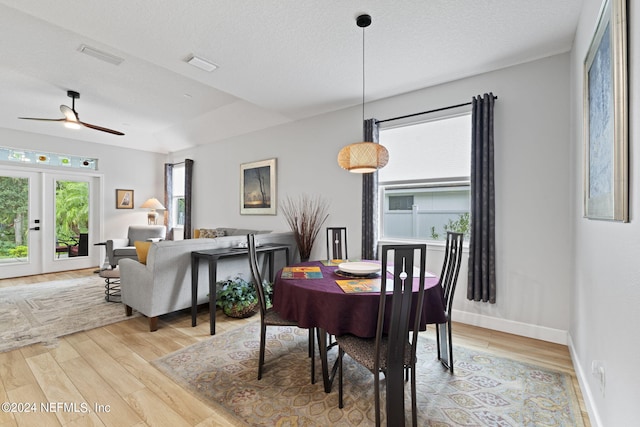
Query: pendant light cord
pixel 363 83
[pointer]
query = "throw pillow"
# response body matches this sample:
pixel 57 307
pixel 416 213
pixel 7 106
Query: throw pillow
pixel 220 232
pixel 142 249
pixel 207 233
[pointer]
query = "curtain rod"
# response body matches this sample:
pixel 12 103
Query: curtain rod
pixel 426 112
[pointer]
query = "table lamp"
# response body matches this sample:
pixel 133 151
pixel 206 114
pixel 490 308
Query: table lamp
pixel 152 204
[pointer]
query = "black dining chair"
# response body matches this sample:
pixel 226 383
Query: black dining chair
pixel 268 316
pixel 448 281
pixel 337 243
pixel 394 347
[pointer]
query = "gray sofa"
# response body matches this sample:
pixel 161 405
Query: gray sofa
pixel 163 285
pixel 118 249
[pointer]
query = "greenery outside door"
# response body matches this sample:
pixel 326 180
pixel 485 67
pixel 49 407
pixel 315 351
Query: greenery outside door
pixel 20 223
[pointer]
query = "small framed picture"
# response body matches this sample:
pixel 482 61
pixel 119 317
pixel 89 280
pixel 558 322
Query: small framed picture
pixel 124 199
pixel 258 188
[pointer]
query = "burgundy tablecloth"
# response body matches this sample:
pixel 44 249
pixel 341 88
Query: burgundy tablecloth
pixel 323 304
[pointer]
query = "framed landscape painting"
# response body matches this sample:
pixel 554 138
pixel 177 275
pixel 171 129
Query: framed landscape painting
pixel 606 136
pixel 258 188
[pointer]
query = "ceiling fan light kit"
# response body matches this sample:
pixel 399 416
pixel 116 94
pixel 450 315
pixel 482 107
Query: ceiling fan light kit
pixel 71 119
pixel 366 156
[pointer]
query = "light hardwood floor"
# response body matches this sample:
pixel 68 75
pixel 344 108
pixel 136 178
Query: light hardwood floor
pixel 111 366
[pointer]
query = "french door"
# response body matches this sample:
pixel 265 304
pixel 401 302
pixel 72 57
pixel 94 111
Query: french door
pixel 49 221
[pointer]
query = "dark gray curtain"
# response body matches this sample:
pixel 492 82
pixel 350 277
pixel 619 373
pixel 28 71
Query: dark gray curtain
pixel 482 246
pixel 188 184
pixel 370 199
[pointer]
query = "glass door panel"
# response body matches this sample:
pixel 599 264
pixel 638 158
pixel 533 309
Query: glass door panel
pixel 20 225
pixel 72 218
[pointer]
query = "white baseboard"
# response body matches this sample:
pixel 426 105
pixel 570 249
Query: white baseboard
pixel 587 395
pixel 557 336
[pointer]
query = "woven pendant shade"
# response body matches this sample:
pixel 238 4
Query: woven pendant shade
pixel 363 157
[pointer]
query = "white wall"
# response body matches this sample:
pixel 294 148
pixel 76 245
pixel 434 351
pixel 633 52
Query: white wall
pixel 306 153
pixel 121 168
pixel 532 184
pixel 606 290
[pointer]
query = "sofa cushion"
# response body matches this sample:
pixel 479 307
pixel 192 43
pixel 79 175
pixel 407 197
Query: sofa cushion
pixel 129 251
pixel 142 249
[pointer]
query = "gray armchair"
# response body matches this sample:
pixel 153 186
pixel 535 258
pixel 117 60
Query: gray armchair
pixel 124 248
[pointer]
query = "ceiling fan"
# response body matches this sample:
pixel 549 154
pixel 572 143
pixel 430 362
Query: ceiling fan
pixel 71 118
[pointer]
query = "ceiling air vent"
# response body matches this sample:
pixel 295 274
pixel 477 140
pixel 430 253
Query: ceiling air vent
pixel 103 56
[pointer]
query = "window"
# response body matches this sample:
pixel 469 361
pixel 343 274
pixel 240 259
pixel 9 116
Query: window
pixel 425 188
pixel 400 203
pixel 177 201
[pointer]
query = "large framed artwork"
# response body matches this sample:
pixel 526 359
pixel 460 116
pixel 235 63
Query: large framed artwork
pixel 258 188
pixel 606 135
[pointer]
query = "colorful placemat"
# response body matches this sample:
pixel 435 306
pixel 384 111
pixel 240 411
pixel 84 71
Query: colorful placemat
pixel 301 273
pixel 359 285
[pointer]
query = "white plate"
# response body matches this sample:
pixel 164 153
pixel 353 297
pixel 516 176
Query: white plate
pixel 359 268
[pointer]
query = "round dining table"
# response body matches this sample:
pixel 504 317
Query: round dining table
pixel 322 304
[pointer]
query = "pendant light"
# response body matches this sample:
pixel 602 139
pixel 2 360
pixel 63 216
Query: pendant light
pixel 366 156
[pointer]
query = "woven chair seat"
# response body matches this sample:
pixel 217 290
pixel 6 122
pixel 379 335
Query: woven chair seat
pixel 362 350
pixel 272 318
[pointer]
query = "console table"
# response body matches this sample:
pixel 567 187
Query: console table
pixel 212 256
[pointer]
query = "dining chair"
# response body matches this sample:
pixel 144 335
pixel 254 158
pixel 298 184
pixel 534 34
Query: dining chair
pixel 337 243
pixel 448 281
pixel 268 316
pixel 394 346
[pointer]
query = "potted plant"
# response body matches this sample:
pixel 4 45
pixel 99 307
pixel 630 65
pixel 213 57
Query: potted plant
pixel 238 298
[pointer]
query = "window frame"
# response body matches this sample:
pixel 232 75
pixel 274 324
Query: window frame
pixel 176 195
pixel 449 182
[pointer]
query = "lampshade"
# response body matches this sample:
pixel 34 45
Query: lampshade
pixel 152 203
pixel 363 157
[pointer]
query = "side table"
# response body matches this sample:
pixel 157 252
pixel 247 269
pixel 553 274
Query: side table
pixel 212 256
pixel 111 284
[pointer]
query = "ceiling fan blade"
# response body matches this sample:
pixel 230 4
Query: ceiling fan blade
pixel 89 125
pixel 71 118
pixel 43 120
pixel 69 113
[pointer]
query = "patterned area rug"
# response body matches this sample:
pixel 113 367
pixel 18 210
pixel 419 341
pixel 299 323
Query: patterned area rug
pixel 485 391
pixel 43 312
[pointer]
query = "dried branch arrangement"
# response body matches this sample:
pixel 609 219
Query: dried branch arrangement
pixel 305 215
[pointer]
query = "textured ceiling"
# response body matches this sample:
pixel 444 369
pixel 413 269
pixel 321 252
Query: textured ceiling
pixel 279 60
